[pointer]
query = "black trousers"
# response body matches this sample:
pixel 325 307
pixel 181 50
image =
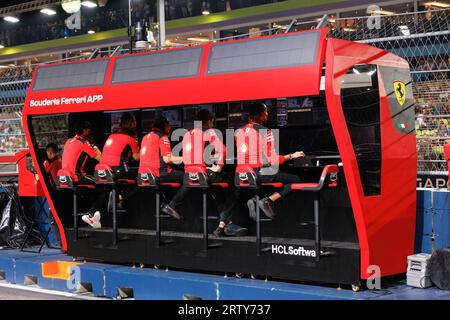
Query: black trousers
pixel 98 199
pixel 266 176
pixel 176 176
pixel 226 198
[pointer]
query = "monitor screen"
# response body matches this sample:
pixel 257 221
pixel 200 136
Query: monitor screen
pixel 115 121
pixel 237 114
pixel 282 109
pixel 307 111
pixel 174 117
pixel 148 116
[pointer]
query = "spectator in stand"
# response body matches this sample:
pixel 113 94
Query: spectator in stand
pixel 443 131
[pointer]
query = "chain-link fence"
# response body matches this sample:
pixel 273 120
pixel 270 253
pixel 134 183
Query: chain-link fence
pixel 14 82
pixel 422 38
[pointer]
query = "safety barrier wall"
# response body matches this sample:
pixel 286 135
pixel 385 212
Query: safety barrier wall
pixel 433 220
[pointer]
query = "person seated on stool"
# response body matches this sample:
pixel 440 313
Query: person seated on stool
pixel 77 150
pixel 120 147
pixel 156 155
pixel 260 154
pixel 53 162
pixel 200 146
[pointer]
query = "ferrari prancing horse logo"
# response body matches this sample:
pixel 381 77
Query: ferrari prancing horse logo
pixel 400 92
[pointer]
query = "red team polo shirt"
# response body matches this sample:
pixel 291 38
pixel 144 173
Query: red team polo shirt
pixel 256 147
pixel 155 145
pixel 118 149
pixel 194 144
pixel 52 166
pixel 76 152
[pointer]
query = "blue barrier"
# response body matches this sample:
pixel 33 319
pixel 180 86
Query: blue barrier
pixel 110 280
pixel 32 267
pixel 9 258
pixel 432 220
pixel 93 275
pixel 159 284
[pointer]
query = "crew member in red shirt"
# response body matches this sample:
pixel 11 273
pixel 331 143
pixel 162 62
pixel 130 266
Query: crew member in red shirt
pixel 203 147
pixel 156 155
pixel 256 148
pixel 120 147
pixel 77 150
pixel 53 162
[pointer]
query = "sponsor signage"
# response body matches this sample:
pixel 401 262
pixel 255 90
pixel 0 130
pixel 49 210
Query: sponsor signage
pixel 66 101
pixel 289 250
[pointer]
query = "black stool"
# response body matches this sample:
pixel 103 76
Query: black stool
pixel 146 179
pixel 65 181
pixel 104 176
pixel 246 178
pixel 195 177
pixel 328 179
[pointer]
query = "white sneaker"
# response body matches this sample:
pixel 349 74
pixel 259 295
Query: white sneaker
pixel 96 216
pixel 94 221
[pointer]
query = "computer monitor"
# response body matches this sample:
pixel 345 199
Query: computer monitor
pixel 148 117
pixel 237 114
pixel 174 117
pixel 300 111
pixel 115 121
pixel 282 109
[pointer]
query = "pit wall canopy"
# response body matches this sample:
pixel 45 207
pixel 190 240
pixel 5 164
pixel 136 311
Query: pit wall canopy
pixel 261 68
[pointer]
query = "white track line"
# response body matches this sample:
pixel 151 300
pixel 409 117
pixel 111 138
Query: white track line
pixel 50 292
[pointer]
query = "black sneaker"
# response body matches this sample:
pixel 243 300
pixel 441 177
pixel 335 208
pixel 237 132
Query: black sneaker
pixel 219 232
pixel 251 204
pixel 266 205
pixel 233 230
pixel 171 212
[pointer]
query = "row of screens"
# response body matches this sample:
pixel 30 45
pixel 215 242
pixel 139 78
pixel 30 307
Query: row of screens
pixel 304 111
pixel 256 54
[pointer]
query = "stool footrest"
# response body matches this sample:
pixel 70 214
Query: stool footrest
pixel 265 220
pixel 326 253
pixel 215 245
pixel 40 221
pixel 165 216
pixel 167 241
pixel 307 223
pixel 210 217
pixel 267 249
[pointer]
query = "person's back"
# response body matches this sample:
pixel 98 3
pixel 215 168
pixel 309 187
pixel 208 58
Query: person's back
pixel 118 149
pixel 53 163
pixel 121 147
pixel 155 145
pixel 77 150
pixel 198 147
pixel 156 156
pixel 256 147
pixel 52 166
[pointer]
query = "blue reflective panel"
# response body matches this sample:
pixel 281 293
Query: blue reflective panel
pixel 268 53
pixel 158 66
pixel 73 75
